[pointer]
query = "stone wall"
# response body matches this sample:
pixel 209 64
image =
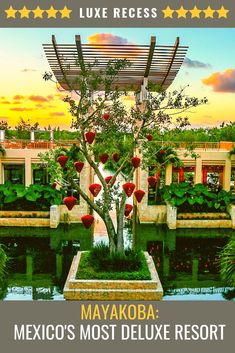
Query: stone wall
pixel 153 213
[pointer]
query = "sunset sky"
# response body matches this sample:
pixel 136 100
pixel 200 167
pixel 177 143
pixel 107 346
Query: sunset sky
pixel 209 70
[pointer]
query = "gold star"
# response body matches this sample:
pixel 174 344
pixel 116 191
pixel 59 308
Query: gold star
pixel 24 12
pixel 65 12
pixel 168 12
pixel 51 12
pixel 182 12
pixel 209 12
pixel 222 12
pixel 195 12
pixel 11 12
pixel 38 12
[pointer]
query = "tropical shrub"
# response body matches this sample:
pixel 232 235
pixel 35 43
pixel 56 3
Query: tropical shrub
pixel 35 197
pixel 3 261
pixel 197 198
pixel 227 262
pixel 100 264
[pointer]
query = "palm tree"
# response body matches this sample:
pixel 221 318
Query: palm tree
pixel 3 261
pixel 227 262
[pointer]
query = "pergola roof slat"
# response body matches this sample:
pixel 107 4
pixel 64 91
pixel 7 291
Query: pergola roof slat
pixel 158 63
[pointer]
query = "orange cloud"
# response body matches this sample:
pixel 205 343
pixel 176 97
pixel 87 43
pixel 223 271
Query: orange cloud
pixel 106 38
pixel 100 39
pixel 21 109
pixel 40 99
pixel 57 114
pixel 222 81
pixel 18 97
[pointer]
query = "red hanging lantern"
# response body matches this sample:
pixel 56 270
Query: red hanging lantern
pixel 90 136
pixel 106 116
pixel 87 220
pixel 135 162
pixel 139 194
pixel 157 175
pixel 149 137
pixel 79 166
pixel 204 176
pixel 62 160
pixel 104 157
pixel 152 181
pixel 181 175
pixel 70 202
pixel 128 209
pixel 128 188
pixel 109 178
pixel 95 189
pixel 116 157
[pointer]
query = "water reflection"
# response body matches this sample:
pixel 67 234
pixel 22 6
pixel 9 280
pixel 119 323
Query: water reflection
pixel 40 259
pixel 186 260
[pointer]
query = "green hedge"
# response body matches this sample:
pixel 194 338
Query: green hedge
pixel 33 198
pixel 197 198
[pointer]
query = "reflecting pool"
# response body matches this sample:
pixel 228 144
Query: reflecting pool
pixel 186 260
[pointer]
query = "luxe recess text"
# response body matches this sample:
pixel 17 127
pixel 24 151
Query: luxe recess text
pixel 117 12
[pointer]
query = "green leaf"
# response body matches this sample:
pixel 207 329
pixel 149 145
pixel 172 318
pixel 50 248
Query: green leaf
pixel 191 201
pixel 179 193
pixel 180 202
pixel 32 196
pixel 10 198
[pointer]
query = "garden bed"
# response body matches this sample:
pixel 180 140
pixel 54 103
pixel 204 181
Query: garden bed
pixel 112 289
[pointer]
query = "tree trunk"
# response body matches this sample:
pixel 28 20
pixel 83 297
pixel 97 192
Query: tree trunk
pixel 120 226
pixel 111 233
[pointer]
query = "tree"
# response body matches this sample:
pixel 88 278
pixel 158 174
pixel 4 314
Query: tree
pixel 107 128
pixel 227 262
pixel 24 127
pixel 4 125
pixel 3 261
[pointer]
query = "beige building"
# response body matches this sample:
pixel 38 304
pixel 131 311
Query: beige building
pixel 21 164
pixel 213 160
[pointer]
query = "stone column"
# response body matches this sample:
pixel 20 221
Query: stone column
pixel 51 135
pixel 231 211
pixel 32 136
pixel 227 174
pixel 168 174
pixel 198 171
pixel 54 216
pixel 2 135
pixel 171 216
pixel 28 171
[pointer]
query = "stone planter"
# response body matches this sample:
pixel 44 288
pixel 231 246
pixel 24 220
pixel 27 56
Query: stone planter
pixel 78 289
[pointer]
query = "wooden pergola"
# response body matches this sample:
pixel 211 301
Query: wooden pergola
pixel 158 64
